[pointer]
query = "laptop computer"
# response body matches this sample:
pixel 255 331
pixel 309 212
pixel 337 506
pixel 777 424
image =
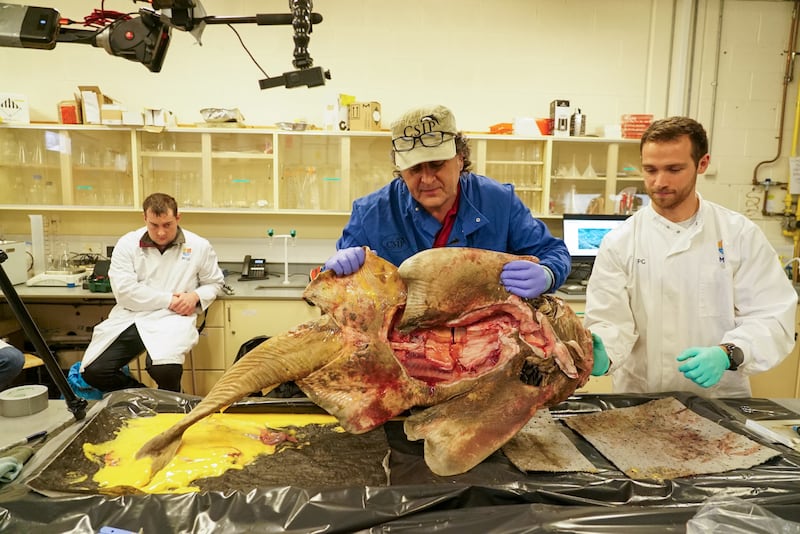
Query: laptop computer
pixel 582 233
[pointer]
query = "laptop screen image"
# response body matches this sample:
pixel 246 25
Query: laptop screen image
pixel 582 233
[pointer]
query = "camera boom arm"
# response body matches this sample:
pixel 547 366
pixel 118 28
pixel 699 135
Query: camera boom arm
pixel 146 37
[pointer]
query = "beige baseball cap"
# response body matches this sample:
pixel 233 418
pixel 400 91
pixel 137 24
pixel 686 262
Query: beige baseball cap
pixel 428 125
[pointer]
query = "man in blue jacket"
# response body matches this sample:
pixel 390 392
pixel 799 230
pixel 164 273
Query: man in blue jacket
pixel 435 201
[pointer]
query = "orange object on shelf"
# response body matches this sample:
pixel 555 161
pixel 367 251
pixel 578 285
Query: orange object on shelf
pixel 501 128
pixel 634 125
pixel 545 126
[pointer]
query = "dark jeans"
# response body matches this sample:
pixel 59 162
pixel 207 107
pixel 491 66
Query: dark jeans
pixel 105 373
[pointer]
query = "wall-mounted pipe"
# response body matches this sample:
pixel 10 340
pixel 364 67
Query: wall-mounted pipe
pixel 787 78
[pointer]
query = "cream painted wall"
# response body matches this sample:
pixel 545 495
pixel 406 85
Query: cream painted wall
pixel 720 61
pixel 490 61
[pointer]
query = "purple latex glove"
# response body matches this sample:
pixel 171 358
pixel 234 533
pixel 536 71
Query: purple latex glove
pixel 346 261
pixel 704 365
pixel 525 278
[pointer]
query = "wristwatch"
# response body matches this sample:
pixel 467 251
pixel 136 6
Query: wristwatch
pixel 735 355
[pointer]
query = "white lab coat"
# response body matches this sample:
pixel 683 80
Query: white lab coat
pixel 657 289
pixel 143 281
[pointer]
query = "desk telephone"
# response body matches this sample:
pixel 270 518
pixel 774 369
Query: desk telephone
pixel 253 269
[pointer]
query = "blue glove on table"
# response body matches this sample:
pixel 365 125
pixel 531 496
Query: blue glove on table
pixel 601 360
pixel 11 462
pixel 346 261
pixel 525 278
pixel 704 365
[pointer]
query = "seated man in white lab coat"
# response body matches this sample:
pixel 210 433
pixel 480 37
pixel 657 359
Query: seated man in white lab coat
pixel 161 276
pixel 686 295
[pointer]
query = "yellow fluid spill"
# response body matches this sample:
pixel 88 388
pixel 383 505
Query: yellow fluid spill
pixel 208 448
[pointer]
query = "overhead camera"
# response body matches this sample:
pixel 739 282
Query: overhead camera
pixel 145 38
pixel 28 27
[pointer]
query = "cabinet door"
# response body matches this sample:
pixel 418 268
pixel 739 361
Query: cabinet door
pixel 370 165
pixel 172 162
pixel 588 175
pixel 310 169
pixel 100 168
pixel 519 162
pixel 247 319
pixel 31 165
pixel 578 181
pixel 209 353
pixel 242 170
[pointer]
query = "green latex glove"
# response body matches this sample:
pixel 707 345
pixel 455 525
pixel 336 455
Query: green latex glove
pixel 601 361
pixel 704 365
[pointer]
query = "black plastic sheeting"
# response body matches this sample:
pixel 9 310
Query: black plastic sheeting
pixel 494 496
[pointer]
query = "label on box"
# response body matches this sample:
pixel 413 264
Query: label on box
pixel 69 112
pixel 364 116
pixel 559 113
pixel 14 109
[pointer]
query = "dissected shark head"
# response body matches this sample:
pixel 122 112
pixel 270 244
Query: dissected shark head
pixel 439 333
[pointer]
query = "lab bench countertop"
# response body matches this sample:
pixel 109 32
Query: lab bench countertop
pixel 270 288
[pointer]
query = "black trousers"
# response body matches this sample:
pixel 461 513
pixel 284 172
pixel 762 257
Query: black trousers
pixel 105 373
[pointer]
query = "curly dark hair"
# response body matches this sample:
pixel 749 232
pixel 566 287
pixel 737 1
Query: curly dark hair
pixel 672 128
pixel 160 204
pixel 462 148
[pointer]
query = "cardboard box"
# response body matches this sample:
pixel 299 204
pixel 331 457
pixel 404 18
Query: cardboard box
pixel 364 116
pixel 91 99
pixel 133 118
pixel 111 114
pixel 156 117
pixel 97 108
pixel 69 112
pixel 14 109
pixel 559 113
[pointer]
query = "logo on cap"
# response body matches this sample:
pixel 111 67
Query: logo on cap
pixel 426 125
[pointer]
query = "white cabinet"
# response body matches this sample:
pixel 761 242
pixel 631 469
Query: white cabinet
pixel 246 319
pixel 587 174
pixel 59 166
pixel 519 161
pixel 258 170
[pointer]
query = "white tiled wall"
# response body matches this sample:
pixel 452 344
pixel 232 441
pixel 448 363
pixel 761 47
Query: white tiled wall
pixel 748 87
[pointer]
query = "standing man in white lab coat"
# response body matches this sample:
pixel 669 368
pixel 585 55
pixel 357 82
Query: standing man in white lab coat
pixel 686 295
pixel 161 276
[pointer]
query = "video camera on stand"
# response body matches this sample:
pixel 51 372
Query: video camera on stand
pixel 146 37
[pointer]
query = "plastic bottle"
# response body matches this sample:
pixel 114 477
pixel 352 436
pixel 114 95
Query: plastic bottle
pixel 577 123
pixel 331 117
pixel 572 205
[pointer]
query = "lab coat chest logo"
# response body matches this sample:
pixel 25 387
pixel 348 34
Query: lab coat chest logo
pixel 186 253
pixel 721 251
